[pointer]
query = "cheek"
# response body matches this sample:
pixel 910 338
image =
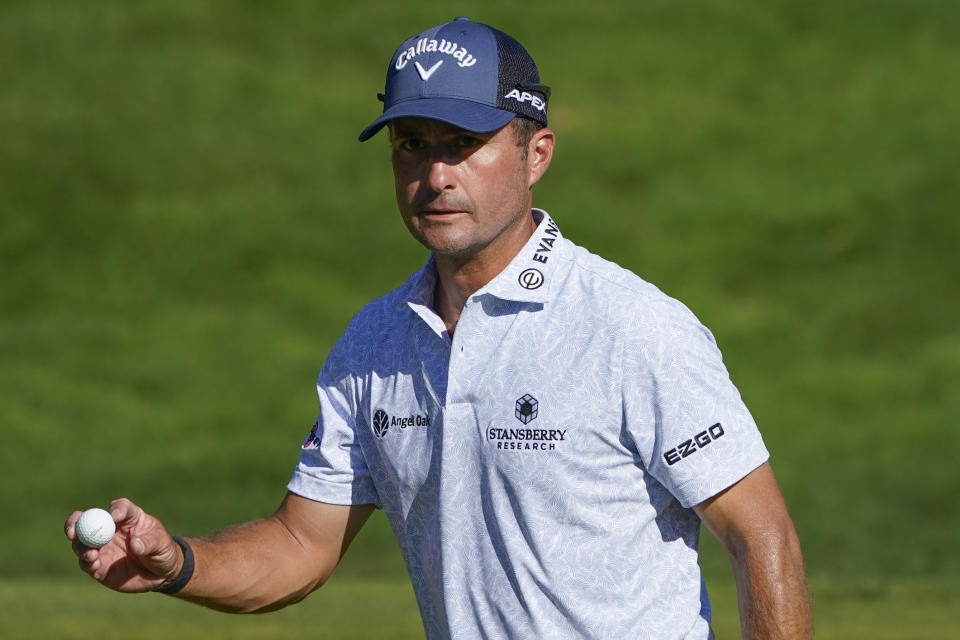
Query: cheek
pixel 399 187
pixel 498 174
pixel 505 184
pixel 405 184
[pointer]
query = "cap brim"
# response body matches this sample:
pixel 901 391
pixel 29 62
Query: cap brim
pixel 465 114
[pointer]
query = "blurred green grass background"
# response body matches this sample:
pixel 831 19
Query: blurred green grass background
pixel 187 223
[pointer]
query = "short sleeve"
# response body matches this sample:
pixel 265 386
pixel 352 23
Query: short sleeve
pixel 332 467
pixel 692 430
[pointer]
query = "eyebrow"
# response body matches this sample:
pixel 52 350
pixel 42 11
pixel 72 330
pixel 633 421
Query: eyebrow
pixel 409 129
pixel 401 131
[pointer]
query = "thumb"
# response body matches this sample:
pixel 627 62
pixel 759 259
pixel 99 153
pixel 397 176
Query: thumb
pixel 157 552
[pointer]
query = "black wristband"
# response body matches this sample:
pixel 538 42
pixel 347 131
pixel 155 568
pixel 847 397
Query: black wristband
pixel 186 570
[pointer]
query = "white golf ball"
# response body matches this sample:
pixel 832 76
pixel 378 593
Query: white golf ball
pixel 95 528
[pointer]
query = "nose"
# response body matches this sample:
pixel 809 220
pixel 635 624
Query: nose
pixel 442 173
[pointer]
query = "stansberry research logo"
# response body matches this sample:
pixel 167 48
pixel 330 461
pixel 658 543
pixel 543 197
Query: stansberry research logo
pixel 381 422
pixel 527 409
pixel 526 438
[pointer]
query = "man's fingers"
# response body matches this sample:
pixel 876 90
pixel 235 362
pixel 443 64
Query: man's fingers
pixel 157 551
pixel 89 562
pixel 70 526
pixel 141 554
pixel 124 512
pixel 78 547
pixel 147 540
pixel 81 549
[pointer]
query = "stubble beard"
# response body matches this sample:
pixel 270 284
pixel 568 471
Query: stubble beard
pixel 464 239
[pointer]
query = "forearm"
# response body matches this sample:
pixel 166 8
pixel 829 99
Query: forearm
pixel 772 590
pixel 254 567
pixel 751 521
pixel 259 566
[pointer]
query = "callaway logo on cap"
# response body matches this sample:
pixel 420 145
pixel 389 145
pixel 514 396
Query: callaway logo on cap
pixel 464 73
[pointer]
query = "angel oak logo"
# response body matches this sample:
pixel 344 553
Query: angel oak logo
pixel 382 422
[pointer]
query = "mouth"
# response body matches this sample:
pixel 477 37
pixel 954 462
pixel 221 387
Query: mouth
pixel 441 213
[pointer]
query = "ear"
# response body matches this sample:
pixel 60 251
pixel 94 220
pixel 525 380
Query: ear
pixel 539 154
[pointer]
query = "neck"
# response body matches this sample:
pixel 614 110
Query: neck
pixel 460 276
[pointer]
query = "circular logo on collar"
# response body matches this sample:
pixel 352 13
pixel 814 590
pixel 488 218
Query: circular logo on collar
pixel 530 279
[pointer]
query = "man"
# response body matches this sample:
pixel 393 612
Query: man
pixel 545 430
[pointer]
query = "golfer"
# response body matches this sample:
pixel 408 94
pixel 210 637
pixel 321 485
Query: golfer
pixel 545 431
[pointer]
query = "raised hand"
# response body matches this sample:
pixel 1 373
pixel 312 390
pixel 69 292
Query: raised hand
pixel 140 557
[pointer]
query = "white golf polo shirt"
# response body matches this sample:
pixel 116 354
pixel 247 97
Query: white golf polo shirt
pixel 538 468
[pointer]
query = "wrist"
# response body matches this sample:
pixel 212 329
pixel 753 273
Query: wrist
pixel 179 581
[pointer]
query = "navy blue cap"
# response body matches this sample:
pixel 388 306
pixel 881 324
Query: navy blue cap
pixel 464 73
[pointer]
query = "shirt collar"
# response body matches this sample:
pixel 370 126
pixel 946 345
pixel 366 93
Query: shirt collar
pixel 417 291
pixel 528 278
pixel 531 274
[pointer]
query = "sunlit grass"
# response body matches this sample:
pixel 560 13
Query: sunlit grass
pixel 187 224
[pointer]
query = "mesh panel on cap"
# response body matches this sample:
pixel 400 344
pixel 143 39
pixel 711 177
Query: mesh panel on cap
pixel 516 66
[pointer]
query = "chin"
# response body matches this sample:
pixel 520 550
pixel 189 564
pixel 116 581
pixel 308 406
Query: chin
pixel 444 244
pixel 452 249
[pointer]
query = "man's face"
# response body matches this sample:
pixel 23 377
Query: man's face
pixel 460 192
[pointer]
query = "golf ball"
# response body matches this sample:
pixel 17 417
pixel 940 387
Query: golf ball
pixel 95 528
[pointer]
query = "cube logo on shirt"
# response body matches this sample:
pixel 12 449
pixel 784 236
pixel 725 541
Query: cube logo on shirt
pixel 527 409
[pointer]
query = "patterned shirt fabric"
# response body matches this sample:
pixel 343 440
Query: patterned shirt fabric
pixel 538 468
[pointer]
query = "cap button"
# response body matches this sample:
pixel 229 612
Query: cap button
pixel 461 18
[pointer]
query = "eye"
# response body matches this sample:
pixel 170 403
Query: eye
pixel 467 141
pixel 410 145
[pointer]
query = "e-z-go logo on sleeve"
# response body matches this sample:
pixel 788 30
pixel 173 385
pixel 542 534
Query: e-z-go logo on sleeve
pixel 691 446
